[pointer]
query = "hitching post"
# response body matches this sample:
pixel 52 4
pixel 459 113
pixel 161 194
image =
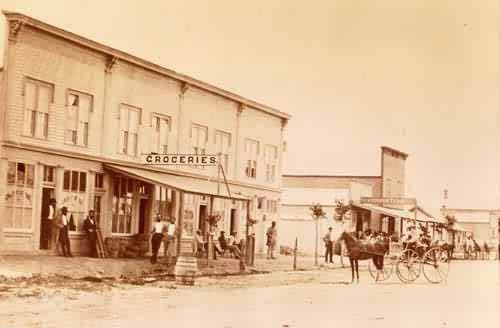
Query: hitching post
pixel 295 254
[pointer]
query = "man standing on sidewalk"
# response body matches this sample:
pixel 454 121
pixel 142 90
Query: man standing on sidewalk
pixel 169 241
pixel 272 234
pixel 328 239
pixel 157 236
pixel 63 223
pixel 90 227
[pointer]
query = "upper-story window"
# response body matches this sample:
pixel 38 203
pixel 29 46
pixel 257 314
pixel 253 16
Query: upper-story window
pixel 130 118
pixel 252 154
pixel 199 138
pixel 78 109
pixel 222 147
pixel 161 128
pixel 270 159
pixel 38 96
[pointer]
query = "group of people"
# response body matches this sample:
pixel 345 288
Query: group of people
pixel 223 244
pixel 164 230
pixel 58 226
pixel 233 245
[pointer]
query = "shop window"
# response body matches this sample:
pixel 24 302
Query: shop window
pixel 143 189
pixel 19 196
pixel 74 188
pixel 164 202
pixel 74 181
pixel 122 205
pixel 38 96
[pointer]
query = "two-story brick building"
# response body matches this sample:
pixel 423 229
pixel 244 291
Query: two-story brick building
pixel 75 117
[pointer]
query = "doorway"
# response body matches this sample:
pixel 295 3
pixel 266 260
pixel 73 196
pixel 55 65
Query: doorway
pixel 45 223
pixel 202 219
pixel 143 214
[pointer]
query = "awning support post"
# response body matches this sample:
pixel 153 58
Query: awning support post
pixel 186 267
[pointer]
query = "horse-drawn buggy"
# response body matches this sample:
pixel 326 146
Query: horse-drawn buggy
pixel 407 260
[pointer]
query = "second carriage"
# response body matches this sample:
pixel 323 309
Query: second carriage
pixel 409 263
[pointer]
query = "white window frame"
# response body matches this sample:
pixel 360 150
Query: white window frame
pixel 252 150
pixel 198 145
pixel 158 146
pixel 22 188
pixel 271 159
pixel 124 136
pixel 34 115
pixel 223 150
pixel 80 136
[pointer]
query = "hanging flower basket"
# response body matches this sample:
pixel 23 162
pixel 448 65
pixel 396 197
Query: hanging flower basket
pixel 213 220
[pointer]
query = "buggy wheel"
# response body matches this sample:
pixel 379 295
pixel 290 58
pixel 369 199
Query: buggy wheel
pixel 385 274
pixel 408 266
pixel 435 265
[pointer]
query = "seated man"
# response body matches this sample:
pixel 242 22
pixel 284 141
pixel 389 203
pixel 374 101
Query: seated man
pixel 411 238
pixel 222 241
pixel 232 246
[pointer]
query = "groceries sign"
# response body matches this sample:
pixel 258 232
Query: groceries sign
pixel 388 201
pixel 179 159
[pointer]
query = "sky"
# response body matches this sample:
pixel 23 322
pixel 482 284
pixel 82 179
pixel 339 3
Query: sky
pixel 419 76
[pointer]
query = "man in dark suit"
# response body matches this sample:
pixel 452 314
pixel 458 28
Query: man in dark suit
pixel 90 227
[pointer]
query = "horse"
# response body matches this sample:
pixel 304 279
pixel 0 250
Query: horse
pixel 358 251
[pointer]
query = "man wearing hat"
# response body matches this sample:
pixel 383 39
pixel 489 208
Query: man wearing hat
pixel 328 240
pixel 411 237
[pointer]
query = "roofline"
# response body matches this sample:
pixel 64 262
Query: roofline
pixel 126 57
pixel 405 155
pixel 470 209
pixel 422 210
pixel 331 176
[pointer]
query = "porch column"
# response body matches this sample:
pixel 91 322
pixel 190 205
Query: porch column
pixel 186 266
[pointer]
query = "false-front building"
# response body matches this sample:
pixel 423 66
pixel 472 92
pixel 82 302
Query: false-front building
pixel 75 118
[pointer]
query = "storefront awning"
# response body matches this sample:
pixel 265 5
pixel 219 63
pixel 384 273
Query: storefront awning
pixel 186 184
pixel 385 211
pixel 458 227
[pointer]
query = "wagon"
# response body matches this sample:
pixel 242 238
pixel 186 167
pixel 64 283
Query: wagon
pixel 409 264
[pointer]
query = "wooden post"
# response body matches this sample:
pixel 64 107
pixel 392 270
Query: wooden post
pixel 242 256
pixel 295 254
pixel 316 244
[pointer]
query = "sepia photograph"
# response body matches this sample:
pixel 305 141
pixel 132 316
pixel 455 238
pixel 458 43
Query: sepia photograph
pixel 227 164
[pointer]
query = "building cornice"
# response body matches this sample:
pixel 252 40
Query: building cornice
pixel 123 56
pixel 331 176
pixel 75 155
pixel 385 148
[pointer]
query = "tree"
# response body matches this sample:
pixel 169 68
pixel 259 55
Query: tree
pixel 317 213
pixel 340 211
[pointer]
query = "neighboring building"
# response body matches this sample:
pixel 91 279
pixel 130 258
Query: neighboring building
pixel 75 117
pixel 482 224
pixel 300 191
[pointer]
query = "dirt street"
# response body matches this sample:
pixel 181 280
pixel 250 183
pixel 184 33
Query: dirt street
pixel 287 299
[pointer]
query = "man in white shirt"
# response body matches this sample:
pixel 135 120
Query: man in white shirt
pixel 49 226
pixel 169 240
pixel 231 245
pixel 157 236
pixel 63 223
